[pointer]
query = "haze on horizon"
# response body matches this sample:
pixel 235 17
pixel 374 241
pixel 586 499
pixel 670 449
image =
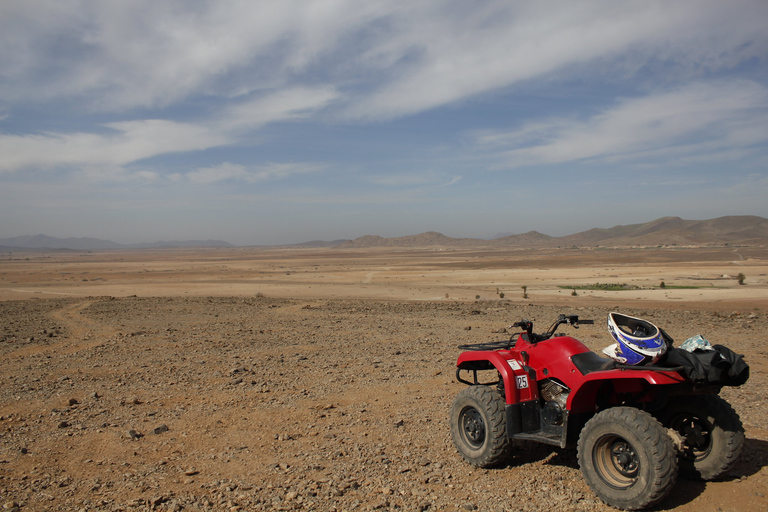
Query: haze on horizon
pixel 281 122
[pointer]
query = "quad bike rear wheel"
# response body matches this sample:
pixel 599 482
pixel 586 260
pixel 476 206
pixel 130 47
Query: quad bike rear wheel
pixel 479 426
pixel 710 432
pixel 627 458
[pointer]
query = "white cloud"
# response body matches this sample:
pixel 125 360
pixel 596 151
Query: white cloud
pixel 230 171
pixel 142 53
pixel 447 55
pixel 414 179
pixel 280 171
pixel 283 105
pixel 225 171
pixel 394 57
pixel 689 121
pixel 123 142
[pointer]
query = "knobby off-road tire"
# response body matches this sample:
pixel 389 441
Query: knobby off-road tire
pixel 627 458
pixel 479 426
pixel 712 435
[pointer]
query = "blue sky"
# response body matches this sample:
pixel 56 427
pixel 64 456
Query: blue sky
pixel 270 122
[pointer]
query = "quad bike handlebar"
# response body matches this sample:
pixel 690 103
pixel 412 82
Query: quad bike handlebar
pixel 527 326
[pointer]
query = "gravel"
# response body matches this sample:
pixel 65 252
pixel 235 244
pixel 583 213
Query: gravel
pixel 270 404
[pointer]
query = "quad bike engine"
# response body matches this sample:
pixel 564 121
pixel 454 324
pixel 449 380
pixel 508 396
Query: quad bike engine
pixel 555 396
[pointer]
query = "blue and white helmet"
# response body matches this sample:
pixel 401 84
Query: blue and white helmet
pixel 639 342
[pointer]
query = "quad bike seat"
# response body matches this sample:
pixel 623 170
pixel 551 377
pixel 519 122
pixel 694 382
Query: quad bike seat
pixel 588 362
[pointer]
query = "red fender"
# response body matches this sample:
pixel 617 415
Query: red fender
pixel 519 385
pixel 623 381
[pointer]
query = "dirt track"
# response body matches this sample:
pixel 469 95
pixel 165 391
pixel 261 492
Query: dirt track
pixel 300 404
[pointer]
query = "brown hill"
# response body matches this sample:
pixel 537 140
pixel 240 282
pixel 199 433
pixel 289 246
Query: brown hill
pixel 741 230
pixel 428 239
pixel 744 229
pixel 529 239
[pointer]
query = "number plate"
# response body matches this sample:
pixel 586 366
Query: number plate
pixel 522 381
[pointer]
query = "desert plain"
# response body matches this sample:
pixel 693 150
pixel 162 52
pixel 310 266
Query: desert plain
pixel 321 379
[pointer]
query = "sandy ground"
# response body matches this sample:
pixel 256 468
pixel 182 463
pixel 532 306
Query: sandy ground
pixel 245 379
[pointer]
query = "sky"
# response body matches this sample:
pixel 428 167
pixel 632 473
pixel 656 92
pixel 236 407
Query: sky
pixel 284 121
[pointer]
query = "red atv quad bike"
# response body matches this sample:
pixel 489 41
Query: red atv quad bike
pixel 634 426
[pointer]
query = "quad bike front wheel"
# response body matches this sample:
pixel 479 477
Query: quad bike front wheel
pixel 709 433
pixel 627 458
pixel 479 426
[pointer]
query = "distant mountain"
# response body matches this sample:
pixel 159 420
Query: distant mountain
pixel 428 239
pixel 738 230
pixel 319 243
pixel 43 242
pixel 744 230
pixel 49 242
pixel 529 239
pixel 182 243
pixel 434 239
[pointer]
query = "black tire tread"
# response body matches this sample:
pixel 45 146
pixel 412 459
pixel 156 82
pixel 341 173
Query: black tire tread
pixel 654 437
pixel 728 423
pixel 490 401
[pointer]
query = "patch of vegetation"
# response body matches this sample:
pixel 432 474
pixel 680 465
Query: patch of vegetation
pixel 618 287
pixel 607 287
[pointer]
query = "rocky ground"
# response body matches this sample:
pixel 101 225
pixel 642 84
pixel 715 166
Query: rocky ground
pixel 272 404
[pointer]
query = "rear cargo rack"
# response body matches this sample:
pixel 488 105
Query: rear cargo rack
pixel 490 345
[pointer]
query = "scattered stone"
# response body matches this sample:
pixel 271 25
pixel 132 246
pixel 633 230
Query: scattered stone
pixel 162 428
pixel 134 435
pixel 158 500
